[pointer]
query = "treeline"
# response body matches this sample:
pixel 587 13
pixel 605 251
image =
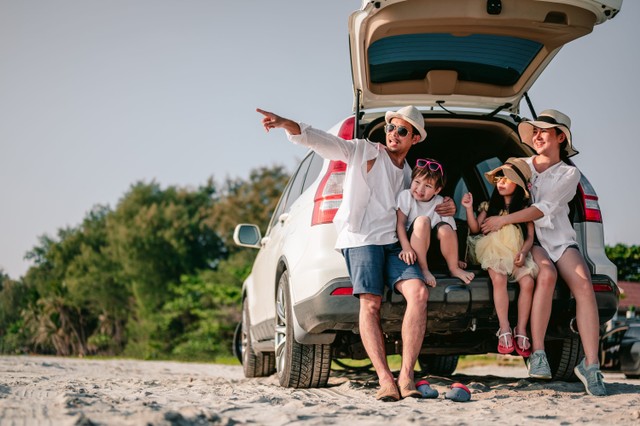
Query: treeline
pixel 158 276
pixel 627 259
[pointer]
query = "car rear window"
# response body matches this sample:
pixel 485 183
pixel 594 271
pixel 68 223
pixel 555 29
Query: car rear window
pixel 483 58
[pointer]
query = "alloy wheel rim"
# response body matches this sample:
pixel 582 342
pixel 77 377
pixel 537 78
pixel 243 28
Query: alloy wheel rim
pixel 280 331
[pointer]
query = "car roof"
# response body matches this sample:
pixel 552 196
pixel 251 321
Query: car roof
pixel 462 53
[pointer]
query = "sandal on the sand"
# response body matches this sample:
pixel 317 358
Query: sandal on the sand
pixel 526 353
pixel 408 390
pixel 503 348
pixel 388 393
pixel 458 393
pixel 426 390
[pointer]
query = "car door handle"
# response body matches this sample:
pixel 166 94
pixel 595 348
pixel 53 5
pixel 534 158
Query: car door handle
pixel 283 217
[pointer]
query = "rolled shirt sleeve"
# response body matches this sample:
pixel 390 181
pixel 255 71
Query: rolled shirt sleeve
pixel 325 144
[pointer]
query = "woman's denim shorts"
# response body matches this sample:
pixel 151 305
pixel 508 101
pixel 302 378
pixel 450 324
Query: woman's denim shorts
pixel 372 267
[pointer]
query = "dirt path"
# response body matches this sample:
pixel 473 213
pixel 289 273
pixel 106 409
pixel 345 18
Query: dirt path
pixel 65 391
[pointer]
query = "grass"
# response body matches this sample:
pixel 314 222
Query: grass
pixel 465 361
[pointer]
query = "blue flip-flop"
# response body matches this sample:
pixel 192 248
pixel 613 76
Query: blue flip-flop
pixel 426 390
pixel 458 393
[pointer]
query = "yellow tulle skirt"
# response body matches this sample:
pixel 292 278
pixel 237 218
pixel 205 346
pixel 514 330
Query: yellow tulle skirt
pixel 497 250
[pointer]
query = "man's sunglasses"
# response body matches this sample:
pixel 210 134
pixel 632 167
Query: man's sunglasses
pixel 430 164
pixel 402 131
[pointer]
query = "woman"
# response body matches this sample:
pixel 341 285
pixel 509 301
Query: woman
pixel 553 185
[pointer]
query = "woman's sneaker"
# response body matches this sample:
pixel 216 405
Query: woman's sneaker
pixel 539 366
pixel 591 377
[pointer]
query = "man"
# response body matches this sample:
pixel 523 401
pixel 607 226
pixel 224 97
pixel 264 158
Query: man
pixel 366 224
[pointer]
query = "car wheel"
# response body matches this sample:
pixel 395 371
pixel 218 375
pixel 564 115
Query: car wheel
pixel 298 365
pixel 440 365
pixel 254 364
pixel 237 342
pixel 563 355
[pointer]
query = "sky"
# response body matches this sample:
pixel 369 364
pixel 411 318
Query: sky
pixel 98 95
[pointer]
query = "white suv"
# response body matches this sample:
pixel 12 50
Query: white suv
pixel 467 64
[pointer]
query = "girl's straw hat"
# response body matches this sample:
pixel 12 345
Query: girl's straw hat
pixel 546 120
pixel 516 170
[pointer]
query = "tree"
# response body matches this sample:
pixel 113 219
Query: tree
pixel 627 259
pixel 251 201
pixel 158 274
pixel 14 297
pixel 157 236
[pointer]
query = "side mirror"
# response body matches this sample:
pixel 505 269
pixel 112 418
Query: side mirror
pixel 247 235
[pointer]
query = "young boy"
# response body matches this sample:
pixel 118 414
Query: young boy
pixel 417 217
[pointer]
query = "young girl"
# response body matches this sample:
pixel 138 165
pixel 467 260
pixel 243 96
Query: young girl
pixel 553 185
pixel 417 216
pixel 505 253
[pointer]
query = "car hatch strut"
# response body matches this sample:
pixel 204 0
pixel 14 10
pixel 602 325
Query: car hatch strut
pixel 500 108
pixel 530 105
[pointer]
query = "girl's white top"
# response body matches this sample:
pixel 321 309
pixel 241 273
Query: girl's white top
pixel 551 192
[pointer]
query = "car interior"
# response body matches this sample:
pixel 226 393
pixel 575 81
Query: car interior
pixel 466 148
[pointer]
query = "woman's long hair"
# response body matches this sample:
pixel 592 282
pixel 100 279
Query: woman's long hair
pixel 518 202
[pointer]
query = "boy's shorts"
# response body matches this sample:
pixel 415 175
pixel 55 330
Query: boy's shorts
pixel 372 267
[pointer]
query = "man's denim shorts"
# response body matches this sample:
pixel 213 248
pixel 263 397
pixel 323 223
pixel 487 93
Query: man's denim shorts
pixel 372 267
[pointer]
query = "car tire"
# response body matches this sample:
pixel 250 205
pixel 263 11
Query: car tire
pixel 439 365
pixel 297 365
pixel 563 355
pixel 237 342
pixel 254 364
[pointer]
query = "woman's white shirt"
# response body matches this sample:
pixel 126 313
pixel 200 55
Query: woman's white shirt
pixel 551 192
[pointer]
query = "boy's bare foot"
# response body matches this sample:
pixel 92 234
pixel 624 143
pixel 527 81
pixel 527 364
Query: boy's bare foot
pixel 465 276
pixel 429 279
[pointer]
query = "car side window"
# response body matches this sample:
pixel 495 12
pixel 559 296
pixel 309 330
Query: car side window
pixel 314 170
pixel 297 182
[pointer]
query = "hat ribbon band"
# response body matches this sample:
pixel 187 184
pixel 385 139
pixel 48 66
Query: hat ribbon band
pixel 548 119
pixel 518 172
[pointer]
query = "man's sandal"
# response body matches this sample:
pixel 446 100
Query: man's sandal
pixel 408 390
pixel 388 393
pixel 504 349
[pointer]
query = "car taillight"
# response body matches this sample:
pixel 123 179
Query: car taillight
pixel 329 194
pixel 342 291
pixel 589 201
pixel 606 288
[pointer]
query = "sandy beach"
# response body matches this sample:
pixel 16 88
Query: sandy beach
pixel 64 391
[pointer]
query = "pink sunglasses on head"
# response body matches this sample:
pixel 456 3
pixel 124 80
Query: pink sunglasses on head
pixel 432 165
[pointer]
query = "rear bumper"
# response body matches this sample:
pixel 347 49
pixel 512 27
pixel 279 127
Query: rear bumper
pixel 452 307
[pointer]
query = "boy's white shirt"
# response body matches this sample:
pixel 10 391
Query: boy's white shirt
pixel 413 208
pixel 551 192
pixel 367 214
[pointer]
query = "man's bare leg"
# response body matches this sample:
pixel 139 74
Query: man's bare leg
pixel 414 325
pixel 372 339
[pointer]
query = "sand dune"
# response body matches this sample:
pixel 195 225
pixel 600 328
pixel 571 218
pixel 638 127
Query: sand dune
pixel 66 391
